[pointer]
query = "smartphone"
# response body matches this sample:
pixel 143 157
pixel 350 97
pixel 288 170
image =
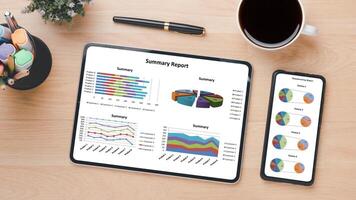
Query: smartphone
pixel 293 126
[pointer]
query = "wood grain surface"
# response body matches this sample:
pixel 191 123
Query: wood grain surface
pixel 36 125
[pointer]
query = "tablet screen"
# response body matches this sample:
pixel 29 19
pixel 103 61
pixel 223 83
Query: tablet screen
pixel 161 112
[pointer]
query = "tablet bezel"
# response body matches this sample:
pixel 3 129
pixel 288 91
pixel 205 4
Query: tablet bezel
pixel 237 177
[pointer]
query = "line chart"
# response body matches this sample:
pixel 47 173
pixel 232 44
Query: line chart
pixel 110 132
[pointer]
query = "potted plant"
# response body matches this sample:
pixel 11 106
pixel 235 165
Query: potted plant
pixel 58 11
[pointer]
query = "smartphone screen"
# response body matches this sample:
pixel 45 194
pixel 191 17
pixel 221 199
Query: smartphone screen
pixel 292 128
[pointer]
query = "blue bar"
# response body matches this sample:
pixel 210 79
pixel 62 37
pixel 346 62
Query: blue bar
pixel 105 89
pixel 114 75
pixel 124 84
pixel 113 87
pixel 122 81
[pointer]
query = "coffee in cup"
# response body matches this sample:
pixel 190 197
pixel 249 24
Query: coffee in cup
pixel 272 24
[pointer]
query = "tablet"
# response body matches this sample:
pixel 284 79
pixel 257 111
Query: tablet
pixel 161 112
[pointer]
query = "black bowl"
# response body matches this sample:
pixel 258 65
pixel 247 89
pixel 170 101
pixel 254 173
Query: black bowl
pixel 40 68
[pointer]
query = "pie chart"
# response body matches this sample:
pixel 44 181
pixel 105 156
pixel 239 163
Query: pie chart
pixel 285 95
pixel 302 145
pixel 277 165
pixel 282 118
pixel 279 141
pixel 308 98
pixel 199 99
pixel 299 168
pixel 305 121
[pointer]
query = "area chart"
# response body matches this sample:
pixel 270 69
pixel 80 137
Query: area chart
pixel 192 144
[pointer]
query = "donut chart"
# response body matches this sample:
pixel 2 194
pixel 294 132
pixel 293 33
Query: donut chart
pixel 305 121
pixel 308 98
pixel 299 168
pixel 279 141
pixel 202 99
pixel 303 145
pixel 282 118
pixel 277 165
pixel 285 95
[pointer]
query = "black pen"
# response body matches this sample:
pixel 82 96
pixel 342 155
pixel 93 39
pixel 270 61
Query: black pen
pixel 167 26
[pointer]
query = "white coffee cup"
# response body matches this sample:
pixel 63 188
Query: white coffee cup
pixel 304 29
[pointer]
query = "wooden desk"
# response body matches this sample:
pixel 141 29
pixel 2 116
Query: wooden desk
pixel 36 125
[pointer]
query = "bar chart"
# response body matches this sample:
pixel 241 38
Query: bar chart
pixel 121 86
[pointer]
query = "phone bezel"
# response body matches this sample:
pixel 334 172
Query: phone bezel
pixel 265 145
